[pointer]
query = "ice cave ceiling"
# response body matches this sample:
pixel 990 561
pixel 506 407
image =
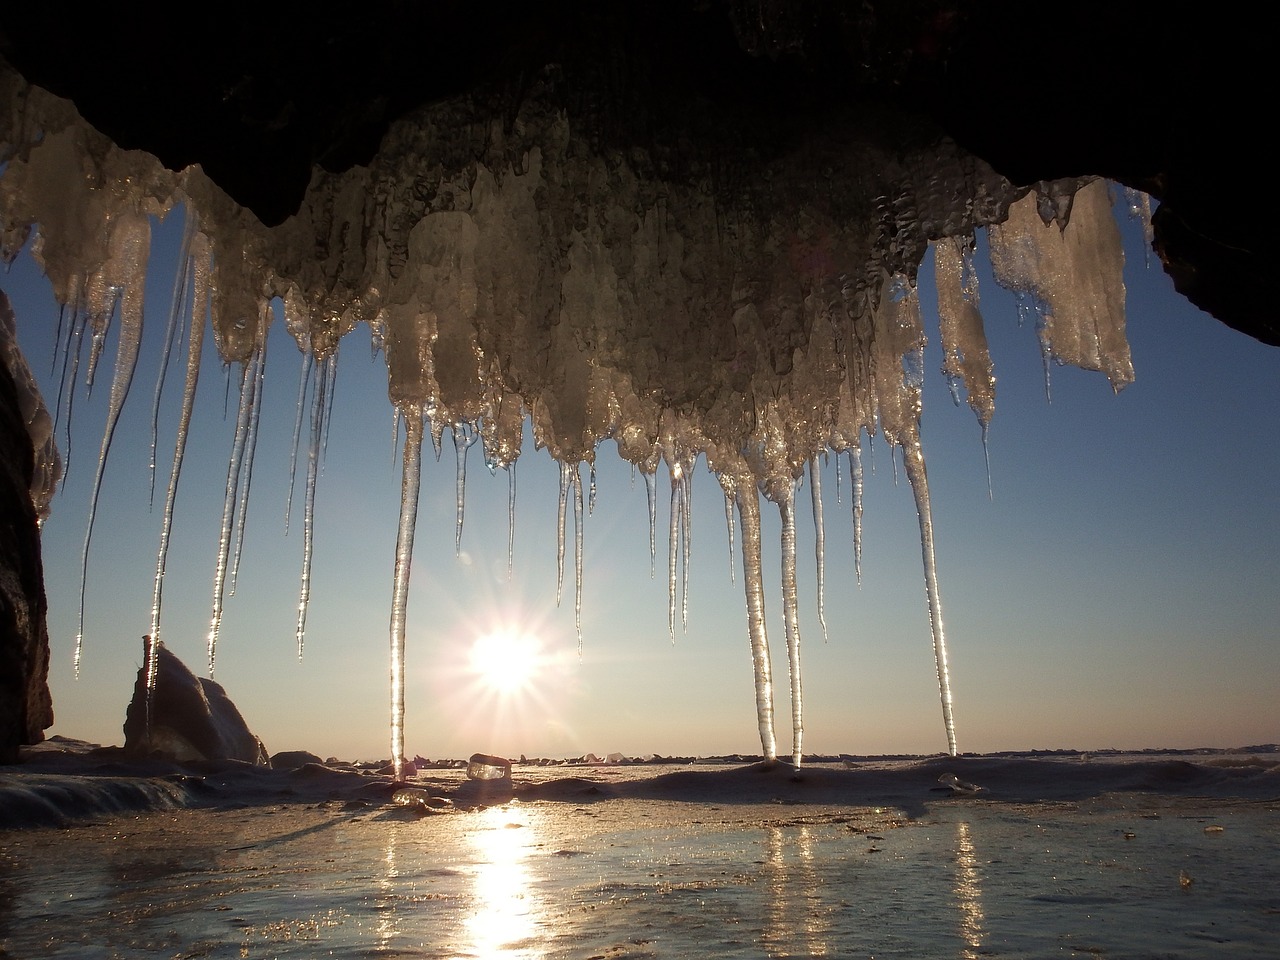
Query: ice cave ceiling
pixel 689 227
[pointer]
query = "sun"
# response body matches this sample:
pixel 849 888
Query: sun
pixel 506 661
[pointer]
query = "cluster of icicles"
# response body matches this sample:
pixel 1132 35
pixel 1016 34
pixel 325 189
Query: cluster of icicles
pixel 842 362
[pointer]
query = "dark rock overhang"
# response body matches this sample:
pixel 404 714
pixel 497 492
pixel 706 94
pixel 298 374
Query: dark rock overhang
pixel 1147 95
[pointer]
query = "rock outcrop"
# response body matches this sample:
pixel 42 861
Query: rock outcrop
pixel 26 707
pixel 191 718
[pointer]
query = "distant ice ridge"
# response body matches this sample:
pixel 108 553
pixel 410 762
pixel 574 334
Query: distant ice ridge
pixel 513 271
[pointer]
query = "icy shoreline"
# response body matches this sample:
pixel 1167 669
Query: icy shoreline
pixel 66 781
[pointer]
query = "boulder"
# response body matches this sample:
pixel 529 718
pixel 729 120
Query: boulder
pixel 192 718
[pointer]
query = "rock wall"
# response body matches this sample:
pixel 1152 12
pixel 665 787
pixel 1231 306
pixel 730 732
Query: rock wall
pixel 26 708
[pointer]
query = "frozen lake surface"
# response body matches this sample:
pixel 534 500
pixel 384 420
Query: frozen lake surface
pixel 1155 855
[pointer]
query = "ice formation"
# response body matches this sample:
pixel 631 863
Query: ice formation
pixel 518 271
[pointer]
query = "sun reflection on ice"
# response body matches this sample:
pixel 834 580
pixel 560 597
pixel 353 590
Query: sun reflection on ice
pixel 798 915
pixel 969 893
pixel 506 914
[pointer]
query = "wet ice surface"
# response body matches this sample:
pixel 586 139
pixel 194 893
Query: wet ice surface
pixel 880 860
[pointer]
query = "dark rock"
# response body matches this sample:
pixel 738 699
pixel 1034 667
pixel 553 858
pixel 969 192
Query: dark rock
pixel 191 718
pixel 26 708
pixel 292 759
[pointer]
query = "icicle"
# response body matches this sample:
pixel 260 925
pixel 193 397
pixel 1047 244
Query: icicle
pixel 913 463
pixel 251 445
pixel 437 432
pixel 199 255
pixel 229 504
pixel 304 377
pixel 753 582
pixel 577 553
pixel 967 360
pixel 409 484
pixel 728 519
pixel 673 547
pixel 591 503
pixel 330 390
pixel 152 654
pixel 463 437
pixel 855 475
pixel 819 538
pixel 565 482
pixel 686 536
pixel 791 618
pixel 511 516
pixel 176 313
pixel 66 384
pixel 319 407
pixel 60 339
pixel 651 494
pixel 119 285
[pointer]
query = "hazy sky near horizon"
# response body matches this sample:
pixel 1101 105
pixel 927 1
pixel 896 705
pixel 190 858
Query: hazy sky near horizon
pixel 1116 588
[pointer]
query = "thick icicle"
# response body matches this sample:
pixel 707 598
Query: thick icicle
pixel 199 274
pixel 247 377
pixel 819 538
pixel 319 408
pixel 855 474
pixel 913 463
pixel 967 364
pixel 651 495
pixel 791 618
pixel 748 503
pixel 728 520
pixel 119 285
pixel 673 547
pixel 409 484
pixel 561 515
pixel 511 516
pixel 578 524
pixel 304 377
pixel 686 532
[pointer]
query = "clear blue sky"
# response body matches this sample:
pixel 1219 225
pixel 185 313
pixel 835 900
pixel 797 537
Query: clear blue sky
pixel 1117 590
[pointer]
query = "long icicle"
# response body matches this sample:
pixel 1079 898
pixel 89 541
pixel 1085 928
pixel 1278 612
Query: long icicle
pixel 565 482
pixel 819 539
pixel 247 376
pixel 304 377
pixel 72 349
pixel 913 464
pixel 123 274
pixel 728 522
pixel 686 532
pixel 319 407
pixel 199 255
pixel 651 495
pixel 251 445
pixel 409 483
pixel 578 524
pixel 855 474
pixel 791 618
pixel 463 437
pixel 511 516
pixel 172 328
pixel 748 502
pixel 673 546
